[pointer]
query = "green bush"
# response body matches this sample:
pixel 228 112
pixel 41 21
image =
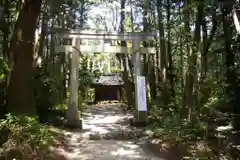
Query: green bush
pixel 24 137
pixel 3 68
pixel 45 90
pixel 3 87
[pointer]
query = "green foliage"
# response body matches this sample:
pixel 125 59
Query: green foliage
pixel 3 88
pixel 3 68
pixel 46 91
pixel 45 88
pixel 85 79
pixel 26 136
pixel 115 70
pixel 168 126
pixel 178 133
pixel 209 98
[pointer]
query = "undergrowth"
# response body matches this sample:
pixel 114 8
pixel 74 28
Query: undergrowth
pixel 196 139
pixel 23 137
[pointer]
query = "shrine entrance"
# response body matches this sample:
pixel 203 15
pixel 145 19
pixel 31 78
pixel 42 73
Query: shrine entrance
pixel 108 88
pixel 78 36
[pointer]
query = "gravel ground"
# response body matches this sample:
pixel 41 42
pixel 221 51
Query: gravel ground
pixel 106 135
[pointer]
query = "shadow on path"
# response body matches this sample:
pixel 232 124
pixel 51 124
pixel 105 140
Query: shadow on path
pixel 106 135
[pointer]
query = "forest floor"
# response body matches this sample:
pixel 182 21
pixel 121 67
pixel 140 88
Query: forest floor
pixel 106 135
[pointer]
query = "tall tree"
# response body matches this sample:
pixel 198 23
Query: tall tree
pixel 192 61
pixel 21 92
pixel 232 89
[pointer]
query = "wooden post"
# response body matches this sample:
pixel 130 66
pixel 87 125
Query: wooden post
pixel 73 119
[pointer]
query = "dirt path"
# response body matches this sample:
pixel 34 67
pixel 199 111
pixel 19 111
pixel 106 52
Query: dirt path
pixel 106 135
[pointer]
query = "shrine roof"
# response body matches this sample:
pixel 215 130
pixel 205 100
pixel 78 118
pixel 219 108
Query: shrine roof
pixel 108 80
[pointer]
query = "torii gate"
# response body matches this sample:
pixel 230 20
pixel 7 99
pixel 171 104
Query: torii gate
pixel 76 48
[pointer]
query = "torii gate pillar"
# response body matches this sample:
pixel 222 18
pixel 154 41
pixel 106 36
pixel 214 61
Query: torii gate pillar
pixel 140 89
pixel 73 119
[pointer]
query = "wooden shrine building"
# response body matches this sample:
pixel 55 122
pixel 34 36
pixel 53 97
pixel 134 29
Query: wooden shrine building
pixel 108 87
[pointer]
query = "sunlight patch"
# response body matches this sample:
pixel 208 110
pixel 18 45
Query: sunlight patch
pixel 124 152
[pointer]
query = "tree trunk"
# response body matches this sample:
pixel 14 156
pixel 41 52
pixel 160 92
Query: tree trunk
pixel 170 74
pixel 204 91
pixel 232 89
pixel 192 71
pixel 127 83
pixel 43 32
pixel 163 60
pixel 162 41
pixel 21 91
pixel 6 29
